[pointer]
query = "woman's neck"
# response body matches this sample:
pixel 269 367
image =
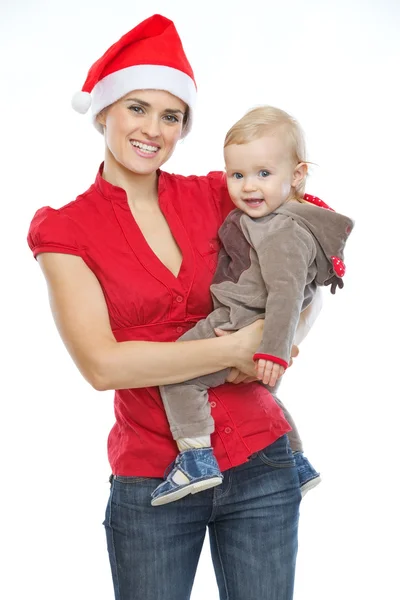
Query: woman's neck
pixel 141 190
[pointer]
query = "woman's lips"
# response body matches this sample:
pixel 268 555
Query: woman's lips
pixel 144 150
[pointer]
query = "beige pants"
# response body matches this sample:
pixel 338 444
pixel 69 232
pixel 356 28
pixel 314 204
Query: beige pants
pixel 186 404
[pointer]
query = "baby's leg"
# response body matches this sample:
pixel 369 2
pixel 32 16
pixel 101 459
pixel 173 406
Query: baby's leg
pixel 308 476
pixel 188 411
pixel 187 407
pixel 186 404
pixel 294 437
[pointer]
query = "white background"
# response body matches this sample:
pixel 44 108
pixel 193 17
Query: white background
pixel 333 65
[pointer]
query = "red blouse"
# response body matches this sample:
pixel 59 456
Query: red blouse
pixel 146 302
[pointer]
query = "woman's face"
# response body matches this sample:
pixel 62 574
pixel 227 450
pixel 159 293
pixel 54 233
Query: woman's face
pixel 142 129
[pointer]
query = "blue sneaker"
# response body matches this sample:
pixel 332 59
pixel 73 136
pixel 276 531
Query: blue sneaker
pixel 193 471
pixel 308 476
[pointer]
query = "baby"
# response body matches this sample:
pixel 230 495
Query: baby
pixel 276 249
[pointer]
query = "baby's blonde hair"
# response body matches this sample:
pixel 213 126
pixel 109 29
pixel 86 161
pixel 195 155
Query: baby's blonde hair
pixel 266 119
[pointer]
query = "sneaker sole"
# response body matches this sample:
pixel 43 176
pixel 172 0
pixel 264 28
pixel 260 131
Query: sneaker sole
pixel 192 488
pixel 310 485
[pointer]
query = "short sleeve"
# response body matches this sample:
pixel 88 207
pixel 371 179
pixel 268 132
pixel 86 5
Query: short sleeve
pixel 219 190
pixel 52 231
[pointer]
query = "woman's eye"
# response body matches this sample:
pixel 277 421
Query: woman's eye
pixel 264 173
pixel 237 176
pixel 171 118
pixel 136 109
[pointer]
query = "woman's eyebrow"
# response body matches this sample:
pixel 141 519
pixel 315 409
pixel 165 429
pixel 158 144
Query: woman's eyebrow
pixel 174 110
pixel 138 101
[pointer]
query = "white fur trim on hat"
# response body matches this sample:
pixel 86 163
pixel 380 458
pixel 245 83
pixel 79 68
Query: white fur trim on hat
pixel 142 77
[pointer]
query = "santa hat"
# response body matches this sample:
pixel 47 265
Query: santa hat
pixel 150 56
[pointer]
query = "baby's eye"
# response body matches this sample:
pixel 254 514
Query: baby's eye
pixel 264 173
pixel 237 175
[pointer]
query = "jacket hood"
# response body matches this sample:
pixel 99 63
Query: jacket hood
pixel 330 230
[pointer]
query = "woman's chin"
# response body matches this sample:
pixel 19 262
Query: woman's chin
pixel 145 167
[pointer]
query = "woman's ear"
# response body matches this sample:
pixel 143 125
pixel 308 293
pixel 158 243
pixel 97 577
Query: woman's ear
pixel 299 174
pixel 101 117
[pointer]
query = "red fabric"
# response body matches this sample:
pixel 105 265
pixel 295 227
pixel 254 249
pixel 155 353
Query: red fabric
pixel 317 201
pixel 275 359
pixel 154 41
pixel 338 266
pixel 146 302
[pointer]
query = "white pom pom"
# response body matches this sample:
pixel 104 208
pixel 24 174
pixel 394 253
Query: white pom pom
pixel 81 102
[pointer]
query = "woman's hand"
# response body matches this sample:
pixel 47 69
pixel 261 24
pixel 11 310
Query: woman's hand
pixel 245 343
pixel 253 334
pixel 235 376
pixel 293 353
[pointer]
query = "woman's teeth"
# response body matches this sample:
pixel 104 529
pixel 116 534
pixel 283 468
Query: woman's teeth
pixel 145 147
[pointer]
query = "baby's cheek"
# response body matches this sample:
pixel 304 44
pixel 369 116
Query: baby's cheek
pixel 233 187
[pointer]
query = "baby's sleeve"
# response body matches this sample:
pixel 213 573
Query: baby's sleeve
pixel 53 231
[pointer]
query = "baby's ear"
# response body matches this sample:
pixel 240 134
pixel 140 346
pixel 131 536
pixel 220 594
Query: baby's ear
pixel 299 173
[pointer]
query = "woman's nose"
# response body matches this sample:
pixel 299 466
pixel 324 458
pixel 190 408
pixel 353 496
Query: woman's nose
pixel 151 126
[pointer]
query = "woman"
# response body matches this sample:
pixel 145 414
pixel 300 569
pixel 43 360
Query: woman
pixel 128 266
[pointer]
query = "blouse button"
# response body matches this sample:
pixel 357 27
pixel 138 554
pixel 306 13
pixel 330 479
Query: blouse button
pixel 213 404
pixel 179 329
pixel 228 430
pixel 179 298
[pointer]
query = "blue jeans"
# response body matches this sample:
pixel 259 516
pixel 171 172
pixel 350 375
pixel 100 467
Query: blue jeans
pixel 252 520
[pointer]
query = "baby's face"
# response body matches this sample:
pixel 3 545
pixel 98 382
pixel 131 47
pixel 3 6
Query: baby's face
pixel 260 174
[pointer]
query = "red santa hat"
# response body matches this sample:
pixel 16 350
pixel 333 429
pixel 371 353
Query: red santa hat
pixel 150 56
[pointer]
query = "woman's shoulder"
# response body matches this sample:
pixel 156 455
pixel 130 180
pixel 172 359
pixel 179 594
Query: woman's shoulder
pixel 212 178
pixel 56 229
pixel 212 186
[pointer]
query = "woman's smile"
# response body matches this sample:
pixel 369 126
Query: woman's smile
pixel 145 149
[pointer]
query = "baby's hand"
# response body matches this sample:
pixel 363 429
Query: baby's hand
pixel 269 372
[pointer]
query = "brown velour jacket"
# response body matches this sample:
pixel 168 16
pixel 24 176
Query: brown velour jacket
pixel 274 264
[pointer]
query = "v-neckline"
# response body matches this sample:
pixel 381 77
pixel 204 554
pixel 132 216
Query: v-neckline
pixel 141 248
pixel 146 249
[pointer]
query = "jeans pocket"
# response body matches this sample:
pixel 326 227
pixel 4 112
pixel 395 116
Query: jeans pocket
pixel 132 491
pixel 279 454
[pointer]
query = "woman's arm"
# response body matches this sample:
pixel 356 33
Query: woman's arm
pixel 80 313
pixel 309 316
